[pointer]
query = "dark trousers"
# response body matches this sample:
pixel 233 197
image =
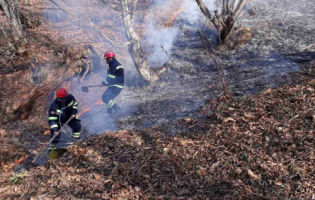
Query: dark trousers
pixel 109 95
pixel 74 124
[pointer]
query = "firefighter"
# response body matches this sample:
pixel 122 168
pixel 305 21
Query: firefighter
pixel 114 81
pixel 62 108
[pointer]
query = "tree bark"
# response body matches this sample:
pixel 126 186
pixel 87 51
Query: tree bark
pixel 5 35
pixel 235 4
pixel 134 47
pixel 12 14
pixel 204 9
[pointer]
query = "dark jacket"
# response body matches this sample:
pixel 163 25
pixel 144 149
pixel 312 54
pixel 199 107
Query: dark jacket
pixel 115 75
pixel 61 113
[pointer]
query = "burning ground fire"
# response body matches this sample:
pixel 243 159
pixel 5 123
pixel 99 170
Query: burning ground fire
pixel 10 167
pixel 98 102
pixel 170 22
pixel 47 132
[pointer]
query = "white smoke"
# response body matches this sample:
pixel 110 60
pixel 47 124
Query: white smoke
pixel 159 41
pixel 192 13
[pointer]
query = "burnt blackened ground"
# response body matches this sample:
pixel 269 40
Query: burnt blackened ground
pixel 272 58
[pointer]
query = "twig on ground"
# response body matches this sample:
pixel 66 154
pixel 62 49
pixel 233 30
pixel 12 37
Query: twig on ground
pixel 215 62
pixel 166 53
pixel 25 148
pixel 307 47
pixel 269 29
pixel 305 154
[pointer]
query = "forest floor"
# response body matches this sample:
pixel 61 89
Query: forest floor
pixel 255 147
pixel 181 139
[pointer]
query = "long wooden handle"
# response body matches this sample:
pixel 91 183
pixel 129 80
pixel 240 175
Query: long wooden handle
pixel 50 141
pixel 94 86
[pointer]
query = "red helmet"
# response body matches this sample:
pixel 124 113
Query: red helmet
pixel 62 93
pixel 109 54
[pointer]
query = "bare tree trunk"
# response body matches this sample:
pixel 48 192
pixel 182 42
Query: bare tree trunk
pixel 12 13
pixel 224 21
pixel 235 4
pixel 134 6
pixel 134 47
pixel 5 35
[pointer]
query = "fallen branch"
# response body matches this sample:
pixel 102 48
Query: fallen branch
pixel 307 47
pixel 167 54
pixel 215 61
pixel 17 42
pixel 270 31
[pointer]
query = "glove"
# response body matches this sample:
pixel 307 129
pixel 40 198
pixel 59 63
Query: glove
pixel 56 134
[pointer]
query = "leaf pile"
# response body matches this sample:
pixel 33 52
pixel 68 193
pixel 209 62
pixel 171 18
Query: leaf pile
pixel 259 147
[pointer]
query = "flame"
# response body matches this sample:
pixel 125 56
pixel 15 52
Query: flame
pixel 84 111
pixel 99 102
pixel 47 132
pixel 21 159
pixel 4 167
pixel 40 148
pixel 175 15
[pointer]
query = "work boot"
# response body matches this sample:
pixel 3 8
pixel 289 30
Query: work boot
pixel 51 147
pixel 76 136
pixel 117 108
pixel 110 111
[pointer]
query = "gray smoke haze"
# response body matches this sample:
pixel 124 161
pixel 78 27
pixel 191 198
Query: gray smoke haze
pixel 96 120
pixel 192 13
pixel 159 40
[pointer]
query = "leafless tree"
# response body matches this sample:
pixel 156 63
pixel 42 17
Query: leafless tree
pixel 225 20
pixel 134 47
pixel 12 13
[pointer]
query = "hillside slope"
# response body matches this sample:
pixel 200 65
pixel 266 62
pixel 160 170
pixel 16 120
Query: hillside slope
pixel 257 147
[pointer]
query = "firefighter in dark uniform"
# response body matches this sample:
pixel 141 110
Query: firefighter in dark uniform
pixel 61 109
pixel 114 81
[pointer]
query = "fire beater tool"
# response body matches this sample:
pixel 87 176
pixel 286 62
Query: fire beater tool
pixel 52 139
pixel 86 88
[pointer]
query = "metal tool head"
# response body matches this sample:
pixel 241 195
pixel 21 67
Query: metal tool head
pixel 85 89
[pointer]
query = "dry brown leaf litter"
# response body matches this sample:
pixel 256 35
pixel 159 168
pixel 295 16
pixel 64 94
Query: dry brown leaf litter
pixel 262 149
